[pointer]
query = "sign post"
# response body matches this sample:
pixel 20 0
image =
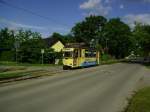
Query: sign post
pixel 42 52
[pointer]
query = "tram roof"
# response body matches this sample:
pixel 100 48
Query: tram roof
pixel 76 45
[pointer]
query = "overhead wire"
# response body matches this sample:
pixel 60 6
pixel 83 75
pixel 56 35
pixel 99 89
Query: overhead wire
pixel 31 12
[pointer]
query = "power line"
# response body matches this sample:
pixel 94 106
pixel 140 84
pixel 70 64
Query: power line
pixel 31 12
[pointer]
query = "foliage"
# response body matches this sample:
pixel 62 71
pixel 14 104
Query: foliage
pixel 7 55
pixel 118 37
pixel 63 38
pixel 27 44
pixel 105 57
pixel 7 38
pixel 141 34
pixel 50 56
pixel 89 29
pixel 31 44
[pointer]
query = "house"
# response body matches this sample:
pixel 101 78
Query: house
pixel 54 43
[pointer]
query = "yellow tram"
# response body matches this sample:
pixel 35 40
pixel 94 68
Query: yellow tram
pixel 78 55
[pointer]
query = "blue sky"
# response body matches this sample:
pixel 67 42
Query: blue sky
pixel 61 15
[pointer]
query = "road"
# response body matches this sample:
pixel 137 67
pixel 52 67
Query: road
pixel 97 89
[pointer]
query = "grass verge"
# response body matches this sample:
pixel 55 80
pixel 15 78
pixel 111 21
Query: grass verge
pixel 4 76
pixel 110 61
pixel 147 65
pixel 23 64
pixel 140 102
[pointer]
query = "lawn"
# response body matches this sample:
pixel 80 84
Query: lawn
pixel 140 101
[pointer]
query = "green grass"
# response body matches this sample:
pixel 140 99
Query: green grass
pixel 23 64
pixel 113 61
pixel 4 76
pixel 140 101
pixel 147 65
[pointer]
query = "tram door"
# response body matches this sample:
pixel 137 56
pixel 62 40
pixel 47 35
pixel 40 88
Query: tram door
pixel 75 57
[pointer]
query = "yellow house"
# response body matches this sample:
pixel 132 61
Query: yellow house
pixel 55 44
pixel 58 46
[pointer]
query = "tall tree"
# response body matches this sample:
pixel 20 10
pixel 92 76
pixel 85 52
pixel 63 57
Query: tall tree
pixel 31 44
pixel 118 38
pixel 141 34
pixel 7 38
pixel 89 29
pixel 57 36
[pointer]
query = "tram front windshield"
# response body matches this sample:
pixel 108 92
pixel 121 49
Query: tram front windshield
pixel 68 54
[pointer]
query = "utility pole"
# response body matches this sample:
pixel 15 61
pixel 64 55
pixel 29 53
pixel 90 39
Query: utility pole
pixel 16 45
pixel 16 55
pixel 107 45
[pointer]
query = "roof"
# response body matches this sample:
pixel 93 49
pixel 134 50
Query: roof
pixel 50 41
pixel 76 45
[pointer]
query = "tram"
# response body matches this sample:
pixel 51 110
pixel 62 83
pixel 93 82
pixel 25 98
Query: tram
pixel 76 55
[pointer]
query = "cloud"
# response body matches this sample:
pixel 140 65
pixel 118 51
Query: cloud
pixel 121 6
pixel 96 7
pixel 144 1
pixel 107 1
pixel 45 31
pixel 147 1
pixel 90 4
pixel 140 18
pixel 15 25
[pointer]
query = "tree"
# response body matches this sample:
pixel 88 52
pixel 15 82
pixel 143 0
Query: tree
pixel 118 38
pixel 141 34
pixel 31 44
pixel 89 29
pixel 7 39
pixel 68 38
pixel 63 38
pixel 57 36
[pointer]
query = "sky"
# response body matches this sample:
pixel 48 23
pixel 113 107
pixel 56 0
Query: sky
pixel 48 16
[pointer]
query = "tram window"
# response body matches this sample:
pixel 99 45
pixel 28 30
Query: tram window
pixel 90 54
pixel 67 54
pixel 94 54
pixel 86 54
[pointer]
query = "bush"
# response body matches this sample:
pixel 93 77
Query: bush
pixel 7 56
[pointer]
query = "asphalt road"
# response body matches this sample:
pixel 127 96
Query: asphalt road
pixel 97 89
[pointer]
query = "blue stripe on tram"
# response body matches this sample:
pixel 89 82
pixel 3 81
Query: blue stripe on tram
pixel 86 63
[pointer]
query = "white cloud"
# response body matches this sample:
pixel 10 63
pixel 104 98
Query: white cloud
pixel 107 1
pixel 45 31
pixel 90 4
pixel 140 18
pixel 26 26
pixel 121 6
pixel 146 0
pixel 96 7
pixel 16 25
